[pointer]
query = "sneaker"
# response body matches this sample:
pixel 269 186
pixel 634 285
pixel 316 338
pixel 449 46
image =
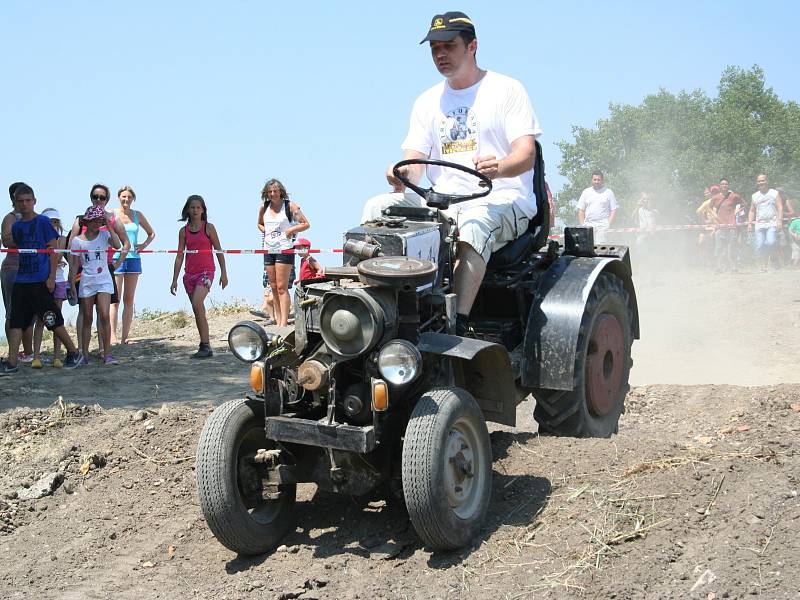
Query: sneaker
pixel 110 360
pixel 24 358
pixel 260 314
pixel 57 363
pixel 84 360
pixel 204 351
pixel 72 361
pixel 36 363
pixel 7 369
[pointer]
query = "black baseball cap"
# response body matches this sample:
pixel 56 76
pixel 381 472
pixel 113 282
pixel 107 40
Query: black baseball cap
pixel 447 26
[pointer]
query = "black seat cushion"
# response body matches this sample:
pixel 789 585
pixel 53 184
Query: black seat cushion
pixel 513 252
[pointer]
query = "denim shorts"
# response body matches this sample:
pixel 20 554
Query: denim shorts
pixel 130 265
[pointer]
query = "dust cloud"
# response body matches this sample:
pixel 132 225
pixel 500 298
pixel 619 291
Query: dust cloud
pixel 702 327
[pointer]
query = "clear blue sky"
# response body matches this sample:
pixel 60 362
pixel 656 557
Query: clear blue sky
pixel 178 98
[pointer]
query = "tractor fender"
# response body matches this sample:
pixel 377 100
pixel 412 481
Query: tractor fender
pixel 482 368
pixel 551 336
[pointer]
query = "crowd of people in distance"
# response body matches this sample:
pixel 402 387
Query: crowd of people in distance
pixel 733 229
pixel 97 263
pixel 767 228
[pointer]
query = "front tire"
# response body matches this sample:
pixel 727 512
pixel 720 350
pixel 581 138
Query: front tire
pixel 447 468
pixel 602 366
pixel 229 486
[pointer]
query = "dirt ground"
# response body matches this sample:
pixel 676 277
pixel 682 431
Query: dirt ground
pixel 696 497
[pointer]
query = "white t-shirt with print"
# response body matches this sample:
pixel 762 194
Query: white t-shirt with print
pixel 766 208
pixel 94 261
pixel 481 120
pixel 597 204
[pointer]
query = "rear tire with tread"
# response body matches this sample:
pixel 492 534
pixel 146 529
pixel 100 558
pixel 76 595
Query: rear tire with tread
pixel 570 413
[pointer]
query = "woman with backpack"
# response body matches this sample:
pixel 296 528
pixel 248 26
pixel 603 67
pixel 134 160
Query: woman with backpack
pixel 279 219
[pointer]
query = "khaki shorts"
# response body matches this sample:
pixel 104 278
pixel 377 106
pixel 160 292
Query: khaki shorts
pixel 485 225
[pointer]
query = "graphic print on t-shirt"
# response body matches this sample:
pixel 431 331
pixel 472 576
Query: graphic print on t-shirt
pixel 458 131
pixel 93 257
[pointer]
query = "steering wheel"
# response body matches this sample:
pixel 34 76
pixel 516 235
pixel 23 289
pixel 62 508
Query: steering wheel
pixel 436 199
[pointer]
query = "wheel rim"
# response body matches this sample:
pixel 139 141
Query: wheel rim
pixel 463 469
pixel 249 480
pixel 604 365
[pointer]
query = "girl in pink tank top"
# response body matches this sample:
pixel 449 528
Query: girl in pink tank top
pixel 198 238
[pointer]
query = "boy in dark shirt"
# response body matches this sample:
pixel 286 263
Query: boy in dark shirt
pixel 8 273
pixel 33 288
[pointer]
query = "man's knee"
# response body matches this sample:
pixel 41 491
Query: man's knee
pixel 466 251
pixel 477 237
pixel 373 209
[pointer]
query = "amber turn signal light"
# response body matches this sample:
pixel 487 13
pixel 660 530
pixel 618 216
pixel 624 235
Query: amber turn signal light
pixel 257 377
pixel 380 395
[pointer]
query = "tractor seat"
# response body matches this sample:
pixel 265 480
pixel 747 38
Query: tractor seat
pixel 517 251
pixel 535 237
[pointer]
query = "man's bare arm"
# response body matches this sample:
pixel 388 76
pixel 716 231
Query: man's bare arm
pixel 7 237
pixel 412 172
pixel 519 160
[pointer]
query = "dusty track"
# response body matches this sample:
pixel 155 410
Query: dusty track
pixel 701 481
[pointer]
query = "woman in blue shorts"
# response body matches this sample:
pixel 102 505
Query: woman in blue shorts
pixel 127 274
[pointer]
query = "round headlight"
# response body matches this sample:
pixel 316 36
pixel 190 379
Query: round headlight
pixel 399 362
pixel 351 322
pixel 248 341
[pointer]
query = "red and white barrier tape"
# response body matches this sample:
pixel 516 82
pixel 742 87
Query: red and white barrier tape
pixel 202 251
pixel 340 250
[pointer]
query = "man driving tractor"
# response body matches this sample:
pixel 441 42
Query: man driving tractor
pixel 481 120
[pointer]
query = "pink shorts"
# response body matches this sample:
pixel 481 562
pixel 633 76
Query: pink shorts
pixel 192 280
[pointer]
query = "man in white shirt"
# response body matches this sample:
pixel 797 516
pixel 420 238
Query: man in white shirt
pixel 597 207
pixel 766 209
pixel 482 120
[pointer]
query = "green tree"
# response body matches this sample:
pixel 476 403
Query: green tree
pixel 673 146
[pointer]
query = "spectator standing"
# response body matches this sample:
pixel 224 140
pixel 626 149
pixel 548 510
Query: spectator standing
pixel 8 273
pixel 789 214
pixel 646 217
pixel 597 207
pixel 59 294
pixel 130 266
pixel 279 219
pixel 99 195
pixel 90 251
pixel 766 209
pixel 725 205
pixel 198 234
pixel 705 241
pixel 32 295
